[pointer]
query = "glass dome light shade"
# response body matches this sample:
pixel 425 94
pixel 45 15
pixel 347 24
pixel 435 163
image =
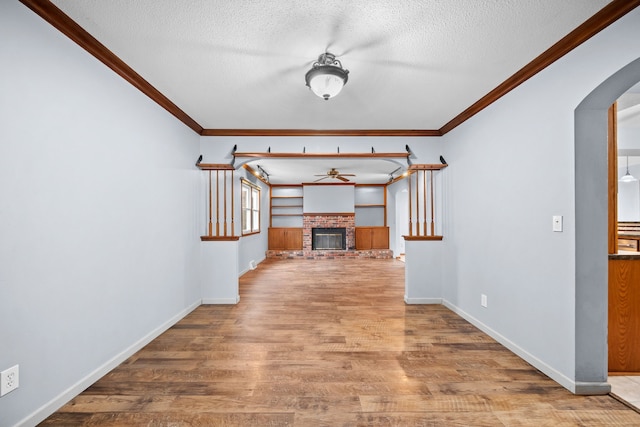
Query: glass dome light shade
pixel 326 81
pixel 628 178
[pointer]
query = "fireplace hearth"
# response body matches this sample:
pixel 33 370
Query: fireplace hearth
pixel 328 239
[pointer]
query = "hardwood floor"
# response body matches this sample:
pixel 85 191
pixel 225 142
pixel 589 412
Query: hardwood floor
pixel 330 343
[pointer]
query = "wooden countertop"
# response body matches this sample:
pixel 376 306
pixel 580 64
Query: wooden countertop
pixel 632 256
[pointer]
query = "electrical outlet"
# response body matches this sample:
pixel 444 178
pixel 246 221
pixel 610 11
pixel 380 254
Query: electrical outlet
pixel 483 300
pixel 9 380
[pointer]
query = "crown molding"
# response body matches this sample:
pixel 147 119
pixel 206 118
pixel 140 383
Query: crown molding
pixel 592 26
pixel 601 20
pixel 67 26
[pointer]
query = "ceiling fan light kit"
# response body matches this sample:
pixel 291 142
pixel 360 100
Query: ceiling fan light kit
pixel 326 78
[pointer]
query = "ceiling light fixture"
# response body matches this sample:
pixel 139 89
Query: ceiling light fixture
pixel 326 78
pixel 628 177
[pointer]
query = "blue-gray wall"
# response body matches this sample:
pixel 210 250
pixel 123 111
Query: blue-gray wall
pixel 513 167
pixel 99 247
pixel 101 210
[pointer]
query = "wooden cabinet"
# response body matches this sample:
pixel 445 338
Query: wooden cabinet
pixel 624 314
pixel 285 239
pixel 372 238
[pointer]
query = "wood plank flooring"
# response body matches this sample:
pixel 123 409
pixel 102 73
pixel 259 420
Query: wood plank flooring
pixel 330 343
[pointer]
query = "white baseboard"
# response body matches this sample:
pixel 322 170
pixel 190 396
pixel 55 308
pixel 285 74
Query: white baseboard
pixel 249 267
pixel 56 403
pixel 588 389
pixel 583 388
pixel 221 300
pixel 422 300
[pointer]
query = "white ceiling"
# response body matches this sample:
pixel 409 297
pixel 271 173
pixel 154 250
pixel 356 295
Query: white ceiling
pixel 414 64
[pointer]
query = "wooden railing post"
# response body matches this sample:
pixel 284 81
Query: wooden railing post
pixel 219 234
pixel 225 202
pixel 210 208
pixel 433 220
pixel 233 227
pixel 410 212
pixel 428 200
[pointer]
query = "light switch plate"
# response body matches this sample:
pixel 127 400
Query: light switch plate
pixel 557 223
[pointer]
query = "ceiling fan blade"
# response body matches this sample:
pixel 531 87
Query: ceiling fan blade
pixel 334 34
pixel 385 62
pixel 321 178
pixel 347 174
pixel 381 39
pixel 221 49
pixel 342 179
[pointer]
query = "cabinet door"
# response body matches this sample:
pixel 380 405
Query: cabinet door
pixel 276 239
pixel 624 317
pixel 363 238
pixel 293 239
pixel 380 238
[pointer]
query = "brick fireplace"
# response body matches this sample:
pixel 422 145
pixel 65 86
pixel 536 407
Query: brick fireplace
pixel 326 221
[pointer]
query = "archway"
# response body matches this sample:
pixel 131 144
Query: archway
pixel 592 230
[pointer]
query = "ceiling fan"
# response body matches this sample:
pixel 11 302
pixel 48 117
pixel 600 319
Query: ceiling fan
pixel 333 173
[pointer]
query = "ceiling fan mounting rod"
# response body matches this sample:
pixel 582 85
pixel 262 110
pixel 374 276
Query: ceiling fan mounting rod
pixel 327 58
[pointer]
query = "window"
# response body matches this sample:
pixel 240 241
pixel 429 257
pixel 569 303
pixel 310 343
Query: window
pixel 250 208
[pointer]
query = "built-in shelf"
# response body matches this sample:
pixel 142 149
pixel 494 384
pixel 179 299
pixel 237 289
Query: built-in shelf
pixel 285 206
pixel 371 205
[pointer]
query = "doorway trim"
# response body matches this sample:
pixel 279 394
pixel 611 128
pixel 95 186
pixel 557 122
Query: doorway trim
pixel 591 213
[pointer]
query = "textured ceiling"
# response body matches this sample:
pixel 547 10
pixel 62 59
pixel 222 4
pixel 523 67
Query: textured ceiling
pixel 413 64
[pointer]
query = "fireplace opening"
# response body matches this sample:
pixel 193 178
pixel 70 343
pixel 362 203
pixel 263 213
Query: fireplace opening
pixel 328 238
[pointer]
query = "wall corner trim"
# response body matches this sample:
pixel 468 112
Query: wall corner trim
pixel 591 388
